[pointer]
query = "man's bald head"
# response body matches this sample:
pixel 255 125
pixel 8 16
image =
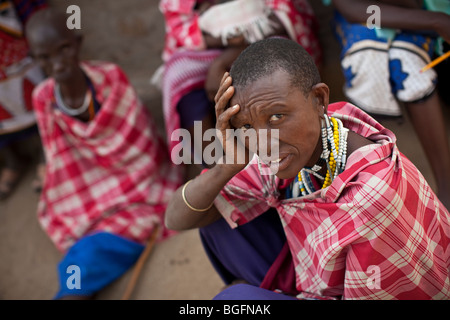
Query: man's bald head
pixel 46 23
pixel 54 46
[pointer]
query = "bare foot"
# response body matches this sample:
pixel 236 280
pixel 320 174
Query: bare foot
pixel 9 179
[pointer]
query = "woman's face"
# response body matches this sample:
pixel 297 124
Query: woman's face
pixel 56 51
pixel 273 103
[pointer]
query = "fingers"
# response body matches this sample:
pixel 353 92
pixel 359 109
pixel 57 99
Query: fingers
pixel 222 99
pixel 224 83
pixel 223 119
pixel 225 75
pixel 226 92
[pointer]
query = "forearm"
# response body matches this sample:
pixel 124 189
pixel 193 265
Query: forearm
pixel 200 193
pixel 392 14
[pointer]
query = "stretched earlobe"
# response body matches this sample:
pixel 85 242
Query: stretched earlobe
pixel 322 94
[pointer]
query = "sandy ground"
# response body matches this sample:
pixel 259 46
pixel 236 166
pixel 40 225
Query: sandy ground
pixel 131 34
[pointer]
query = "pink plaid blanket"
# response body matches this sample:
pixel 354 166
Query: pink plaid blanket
pixel 378 232
pixel 111 174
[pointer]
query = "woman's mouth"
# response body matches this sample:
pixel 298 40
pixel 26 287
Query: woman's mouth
pixel 280 164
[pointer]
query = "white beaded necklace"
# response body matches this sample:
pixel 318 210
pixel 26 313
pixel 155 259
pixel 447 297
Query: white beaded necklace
pixel 72 112
pixel 303 184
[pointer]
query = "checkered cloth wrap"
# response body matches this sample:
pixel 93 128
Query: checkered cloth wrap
pixel 187 62
pixel 378 232
pixel 111 174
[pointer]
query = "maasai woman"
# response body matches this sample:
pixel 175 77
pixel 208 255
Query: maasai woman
pixel 345 216
pixel 108 178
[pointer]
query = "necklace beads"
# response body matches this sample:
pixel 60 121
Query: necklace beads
pixel 334 153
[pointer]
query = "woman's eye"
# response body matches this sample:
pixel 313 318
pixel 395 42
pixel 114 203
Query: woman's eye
pixel 275 117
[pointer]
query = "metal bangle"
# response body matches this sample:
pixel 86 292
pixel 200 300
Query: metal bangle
pixel 183 194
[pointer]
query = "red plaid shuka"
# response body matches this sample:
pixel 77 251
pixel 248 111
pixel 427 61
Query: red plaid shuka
pixel 187 62
pixel 111 174
pixel 378 232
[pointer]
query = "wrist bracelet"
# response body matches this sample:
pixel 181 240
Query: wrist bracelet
pixel 183 194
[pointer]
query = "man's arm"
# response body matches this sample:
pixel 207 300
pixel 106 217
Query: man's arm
pixel 201 192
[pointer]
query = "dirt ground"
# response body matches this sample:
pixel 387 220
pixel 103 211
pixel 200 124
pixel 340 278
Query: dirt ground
pixel 131 34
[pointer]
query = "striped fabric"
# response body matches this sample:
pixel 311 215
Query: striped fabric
pixel 184 72
pixel 378 232
pixel 111 174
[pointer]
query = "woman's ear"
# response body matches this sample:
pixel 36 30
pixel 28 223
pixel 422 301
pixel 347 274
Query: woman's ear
pixel 322 97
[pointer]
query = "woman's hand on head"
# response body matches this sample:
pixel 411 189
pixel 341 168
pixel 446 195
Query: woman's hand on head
pixel 236 155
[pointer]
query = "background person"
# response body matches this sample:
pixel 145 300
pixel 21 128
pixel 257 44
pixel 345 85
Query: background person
pixel 382 67
pixel 108 176
pixel 18 76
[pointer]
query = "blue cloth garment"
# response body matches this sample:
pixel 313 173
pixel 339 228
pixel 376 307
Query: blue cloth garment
pixel 248 292
pixel 95 261
pixel 246 252
pixel 194 106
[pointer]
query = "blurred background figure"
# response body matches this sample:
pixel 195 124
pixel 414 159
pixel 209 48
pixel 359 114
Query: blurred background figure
pixel 18 77
pixel 108 177
pixel 382 69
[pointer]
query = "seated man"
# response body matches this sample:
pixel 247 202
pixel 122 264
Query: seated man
pixel 108 177
pixel 346 215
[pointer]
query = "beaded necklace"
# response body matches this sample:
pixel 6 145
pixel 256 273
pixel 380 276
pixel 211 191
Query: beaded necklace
pixel 72 112
pixel 90 103
pixel 334 155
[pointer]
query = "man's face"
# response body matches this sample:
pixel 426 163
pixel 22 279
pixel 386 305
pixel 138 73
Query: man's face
pixel 56 51
pixel 273 103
